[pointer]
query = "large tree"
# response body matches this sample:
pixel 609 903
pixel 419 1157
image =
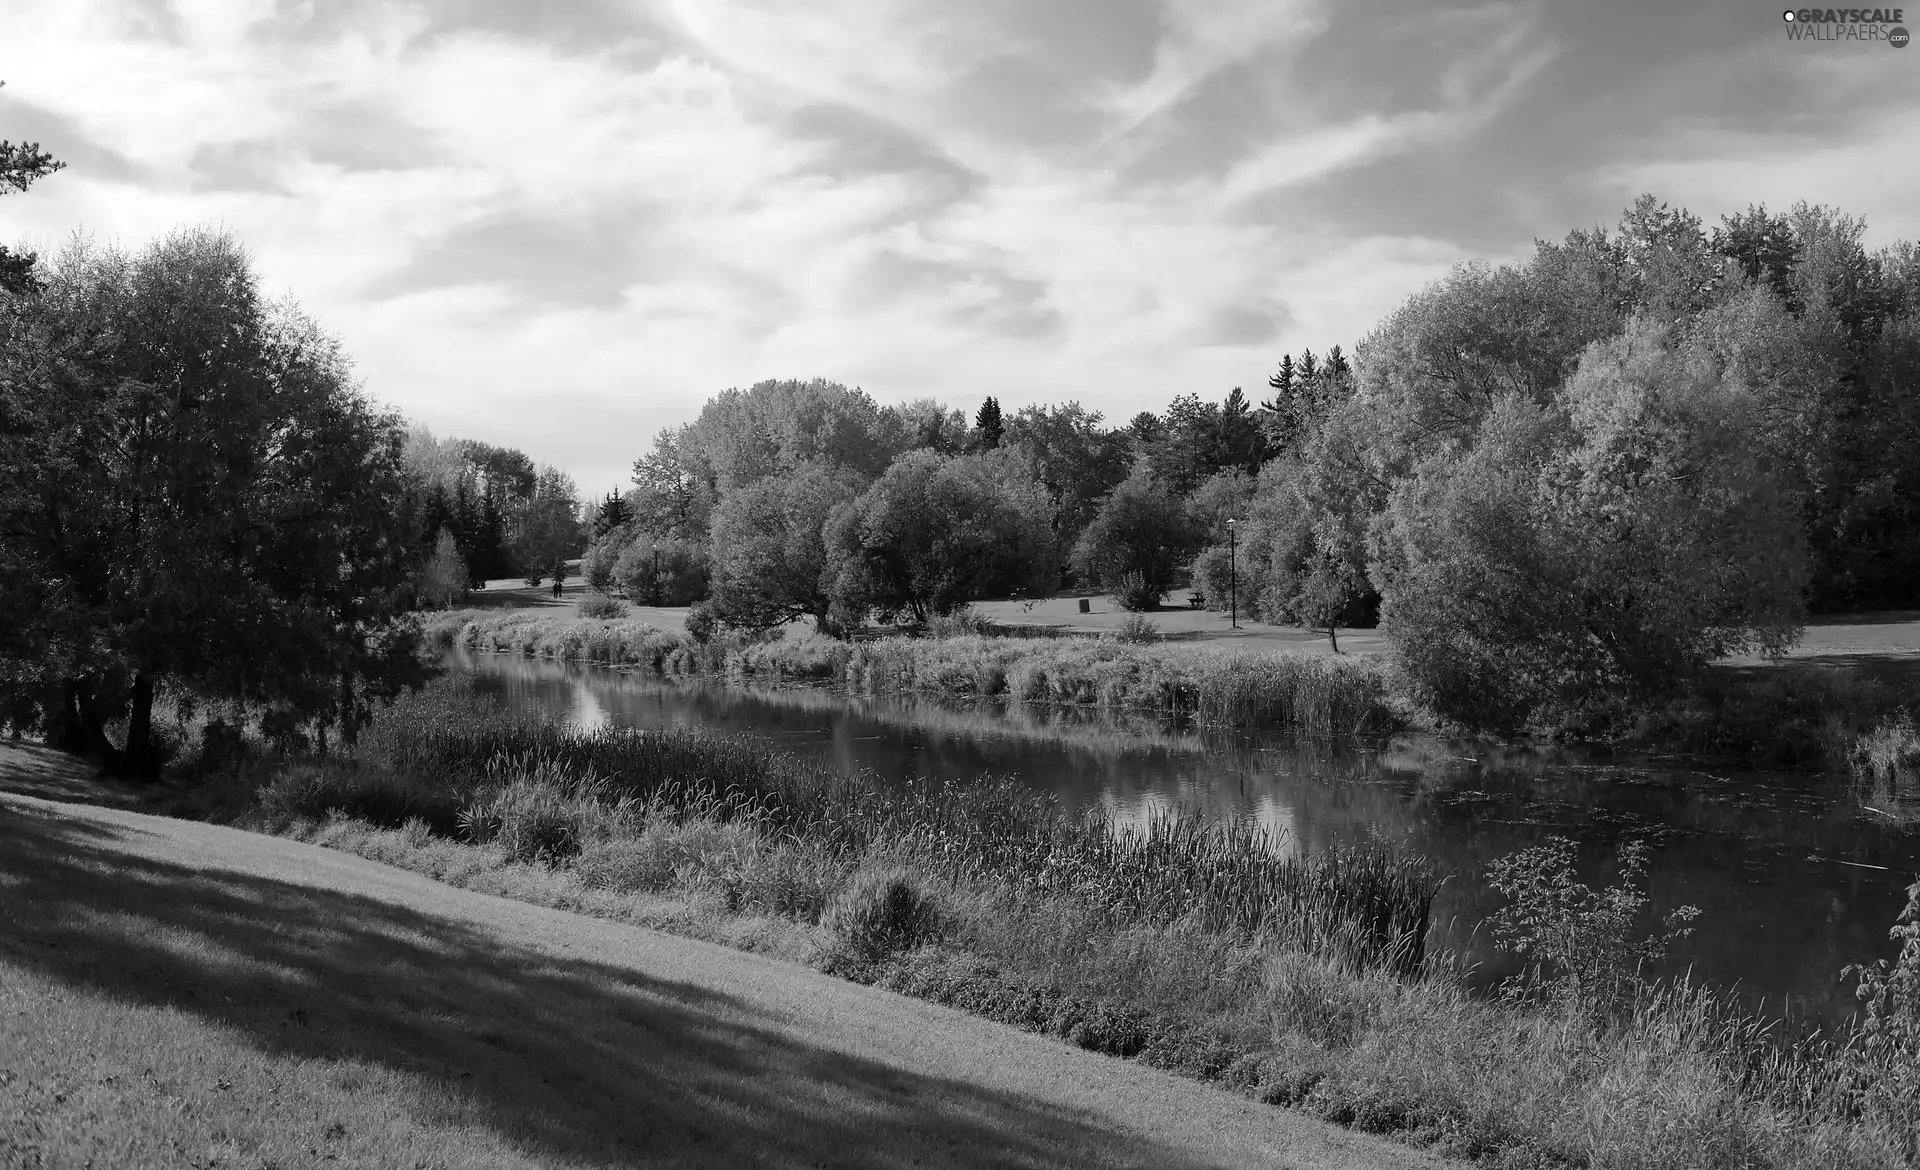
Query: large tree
pixel 768 552
pixel 199 500
pixel 1584 558
pixel 1075 458
pixel 936 532
pixel 1139 539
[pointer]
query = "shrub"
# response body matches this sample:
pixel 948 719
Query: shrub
pixel 1138 629
pixel 882 912
pixel 1886 760
pixel 702 622
pixel 1584 942
pixel 958 624
pixel 1882 1064
pixel 599 605
pixel 1137 593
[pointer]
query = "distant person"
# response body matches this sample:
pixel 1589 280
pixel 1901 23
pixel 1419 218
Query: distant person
pixel 556 587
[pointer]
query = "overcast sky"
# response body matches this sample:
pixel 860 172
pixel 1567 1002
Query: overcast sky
pixel 563 226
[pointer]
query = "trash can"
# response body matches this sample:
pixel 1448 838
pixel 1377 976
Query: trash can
pixel 1086 605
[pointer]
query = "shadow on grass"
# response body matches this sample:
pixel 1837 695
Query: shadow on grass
pixel 576 1061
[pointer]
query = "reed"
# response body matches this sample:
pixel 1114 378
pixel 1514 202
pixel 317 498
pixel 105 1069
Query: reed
pixel 1210 948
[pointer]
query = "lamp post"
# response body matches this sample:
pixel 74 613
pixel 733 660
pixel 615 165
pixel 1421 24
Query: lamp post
pixel 1233 574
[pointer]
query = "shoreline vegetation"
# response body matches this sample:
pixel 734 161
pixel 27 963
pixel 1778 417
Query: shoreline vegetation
pixel 1796 717
pixel 1197 947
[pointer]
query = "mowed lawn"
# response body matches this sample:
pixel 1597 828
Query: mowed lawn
pixel 180 994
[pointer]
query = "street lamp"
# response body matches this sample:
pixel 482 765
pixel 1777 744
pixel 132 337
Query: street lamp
pixel 1233 574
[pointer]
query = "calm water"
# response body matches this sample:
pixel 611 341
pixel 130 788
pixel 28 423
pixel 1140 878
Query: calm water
pixel 1793 882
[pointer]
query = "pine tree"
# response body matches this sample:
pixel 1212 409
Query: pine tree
pixel 1282 382
pixel 989 424
pixel 612 514
pixel 492 550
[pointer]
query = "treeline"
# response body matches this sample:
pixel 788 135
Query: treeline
pixel 1561 486
pixel 480 512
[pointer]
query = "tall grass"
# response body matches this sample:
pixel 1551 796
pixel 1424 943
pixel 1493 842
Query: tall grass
pixel 1209 948
pixel 1310 693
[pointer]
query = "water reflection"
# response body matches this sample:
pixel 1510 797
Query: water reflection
pixel 1793 882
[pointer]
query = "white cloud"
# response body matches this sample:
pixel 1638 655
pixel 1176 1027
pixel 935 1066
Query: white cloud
pixel 568 246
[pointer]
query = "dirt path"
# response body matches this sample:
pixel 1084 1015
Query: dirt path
pixel 721 1057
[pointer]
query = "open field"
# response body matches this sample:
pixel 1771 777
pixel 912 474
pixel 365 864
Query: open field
pixel 178 994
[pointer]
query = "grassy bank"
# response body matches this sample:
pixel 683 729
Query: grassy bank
pixel 1791 715
pixel 1312 694
pixel 1303 982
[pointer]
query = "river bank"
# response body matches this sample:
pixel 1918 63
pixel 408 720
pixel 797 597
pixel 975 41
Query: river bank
pixel 1801 713
pixel 1293 981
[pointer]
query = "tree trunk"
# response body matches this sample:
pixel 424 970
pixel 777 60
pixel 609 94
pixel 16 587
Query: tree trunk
pixel 142 760
pixel 93 726
pixel 60 712
pixel 1334 637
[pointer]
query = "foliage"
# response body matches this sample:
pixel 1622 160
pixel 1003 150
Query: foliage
pixel 445 575
pixel 204 502
pixel 1882 1059
pixel 1587 943
pixel 1142 528
pixel 936 532
pixel 649 569
pixel 1138 629
pixel 600 606
pixel 989 425
pixel 546 532
pixel 1074 459
pixel 884 911
pixel 1581 561
pixel 768 554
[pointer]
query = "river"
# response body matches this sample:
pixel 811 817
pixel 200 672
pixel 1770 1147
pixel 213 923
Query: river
pixel 1792 879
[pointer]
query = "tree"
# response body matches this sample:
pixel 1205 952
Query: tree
pixel 445 575
pixel 612 513
pixel 936 532
pixel 547 530
pixel 200 501
pixel 1074 458
pixel 21 164
pixel 662 570
pixel 768 553
pixel 1138 540
pixel 988 423
pixel 1584 558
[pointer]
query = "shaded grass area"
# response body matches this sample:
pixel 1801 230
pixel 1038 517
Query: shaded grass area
pixel 153 1015
pixel 1193 948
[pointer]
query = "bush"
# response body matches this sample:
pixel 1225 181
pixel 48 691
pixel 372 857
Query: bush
pixel 1886 761
pixel 1138 629
pixel 1584 942
pixel 1137 593
pixel 958 624
pixel 882 912
pixel 599 605
pixel 702 623
pixel 1882 1063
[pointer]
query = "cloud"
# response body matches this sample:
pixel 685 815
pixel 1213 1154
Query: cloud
pixel 565 227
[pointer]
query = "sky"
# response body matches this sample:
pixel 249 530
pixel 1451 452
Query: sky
pixel 562 227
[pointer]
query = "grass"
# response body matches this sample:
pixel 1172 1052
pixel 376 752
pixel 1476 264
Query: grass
pixel 1311 694
pixel 1200 948
pixel 157 1015
pixel 1885 762
pixel 1791 715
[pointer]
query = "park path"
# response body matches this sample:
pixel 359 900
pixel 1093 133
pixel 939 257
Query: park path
pixel 939 1088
